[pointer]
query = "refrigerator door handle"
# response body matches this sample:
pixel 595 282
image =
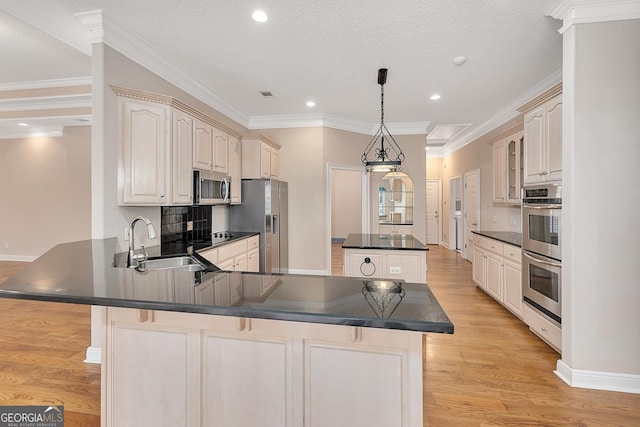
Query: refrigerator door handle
pixel 275 229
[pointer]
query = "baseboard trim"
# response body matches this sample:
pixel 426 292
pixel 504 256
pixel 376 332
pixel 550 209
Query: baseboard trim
pixel 93 355
pixel 598 380
pixel 310 272
pixel 20 258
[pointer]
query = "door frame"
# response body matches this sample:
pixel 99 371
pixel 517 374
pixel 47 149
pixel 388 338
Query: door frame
pixel 465 208
pixel 439 221
pixel 365 205
pixel 451 244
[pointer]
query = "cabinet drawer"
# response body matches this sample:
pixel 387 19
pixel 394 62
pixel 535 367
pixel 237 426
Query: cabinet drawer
pixel 513 253
pixel 543 328
pixel 479 241
pixel 232 249
pixel 253 242
pixel 494 246
pixel 210 255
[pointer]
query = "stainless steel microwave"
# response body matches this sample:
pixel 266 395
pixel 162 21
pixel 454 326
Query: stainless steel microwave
pixel 210 188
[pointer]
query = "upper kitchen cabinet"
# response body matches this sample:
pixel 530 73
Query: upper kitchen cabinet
pixel 143 133
pixel 543 137
pixel 508 166
pixel 161 140
pixel 221 152
pixel 203 146
pixel 260 158
pixel 235 169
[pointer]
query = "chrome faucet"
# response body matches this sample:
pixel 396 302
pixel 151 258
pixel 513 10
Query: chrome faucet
pixel 136 258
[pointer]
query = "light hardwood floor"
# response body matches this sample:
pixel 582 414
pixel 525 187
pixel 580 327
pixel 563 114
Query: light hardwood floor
pixel 491 372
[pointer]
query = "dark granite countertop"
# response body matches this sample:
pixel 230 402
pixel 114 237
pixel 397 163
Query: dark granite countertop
pixel 383 241
pixel 83 273
pixel 510 237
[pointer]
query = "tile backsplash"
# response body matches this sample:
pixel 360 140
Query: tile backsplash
pixel 174 220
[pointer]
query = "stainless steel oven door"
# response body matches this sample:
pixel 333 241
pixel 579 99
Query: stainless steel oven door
pixel 542 229
pixel 542 284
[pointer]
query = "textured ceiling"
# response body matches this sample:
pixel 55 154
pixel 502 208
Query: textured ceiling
pixel 328 51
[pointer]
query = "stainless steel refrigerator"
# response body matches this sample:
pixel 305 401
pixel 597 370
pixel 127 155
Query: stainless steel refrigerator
pixel 264 209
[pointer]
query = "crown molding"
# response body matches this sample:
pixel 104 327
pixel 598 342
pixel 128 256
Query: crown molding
pixel 541 99
pixel 45 84
pixel 287 121
pixel 573 12
pixel 45 103
pixel 53 131
pixel 505 115
pixel 104 30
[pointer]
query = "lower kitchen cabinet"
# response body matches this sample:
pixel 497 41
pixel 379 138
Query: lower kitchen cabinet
pixel 168 368
pixel 496 269
pixel 240 255
pixel 410 265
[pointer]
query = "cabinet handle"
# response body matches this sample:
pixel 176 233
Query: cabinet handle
pixel 243 324
pixel 543 329
pixel 145 316
pixel 355 334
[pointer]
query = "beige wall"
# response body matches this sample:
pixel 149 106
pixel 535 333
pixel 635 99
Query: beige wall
pixel 434 167
pixel 600 253
pixel 45 193
pixel 346 203
pixel 479 155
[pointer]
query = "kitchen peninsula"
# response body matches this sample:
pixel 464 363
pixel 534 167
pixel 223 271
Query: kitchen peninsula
pixel 302 350
pixel 385 256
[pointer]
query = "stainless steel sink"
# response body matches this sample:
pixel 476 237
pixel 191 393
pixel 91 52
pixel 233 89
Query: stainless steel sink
pixel 183 262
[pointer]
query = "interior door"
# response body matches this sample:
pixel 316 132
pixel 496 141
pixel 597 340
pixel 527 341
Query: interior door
pixel 471 210
pixel 433 211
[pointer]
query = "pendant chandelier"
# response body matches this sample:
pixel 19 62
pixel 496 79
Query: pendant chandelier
pixel 388 157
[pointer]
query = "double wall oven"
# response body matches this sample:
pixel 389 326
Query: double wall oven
pixel 542 245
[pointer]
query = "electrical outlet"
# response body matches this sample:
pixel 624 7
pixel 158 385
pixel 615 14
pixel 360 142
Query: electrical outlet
pixel 394 270
pixel 126 234
pixel 495 219
pixel 189 225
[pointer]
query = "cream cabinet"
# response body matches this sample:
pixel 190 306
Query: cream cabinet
pixel 235 169
pixel 240 255
pixel 496 269
pixel 543 142
pixel 203 146
pixel 182 162
pixel 232 371
pixel 410 265
pixel 260 158
pixel 143 133
pixel 508 168
pixel 221 152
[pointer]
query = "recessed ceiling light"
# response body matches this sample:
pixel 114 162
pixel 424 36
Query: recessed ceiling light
pixel 435 97
pixel 427 148
pixel 259 16
pixel 23 124
pixel 459 60
pixel 311 104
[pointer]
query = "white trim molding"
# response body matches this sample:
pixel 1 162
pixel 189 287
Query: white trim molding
pixel 93 355
pixel 45 84
pixel 46 102
pixel 597 380
pixel 573 12
pixel 20 258
pixel 309 272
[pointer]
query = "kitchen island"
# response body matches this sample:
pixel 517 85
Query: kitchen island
pixel 213 347
pixel 385 256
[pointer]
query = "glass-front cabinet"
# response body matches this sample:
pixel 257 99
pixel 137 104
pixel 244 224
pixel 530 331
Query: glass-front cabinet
pixel 395 203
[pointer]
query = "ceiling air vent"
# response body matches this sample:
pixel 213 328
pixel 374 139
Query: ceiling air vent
pixel 266 94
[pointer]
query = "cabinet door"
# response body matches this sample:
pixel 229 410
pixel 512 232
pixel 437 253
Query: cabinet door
pixel 240 263
pixel 226 265
pixel 144 133
pixel 253 261
pixel 494 275
pixel 204 293
pixel 235 172
pixel 275 163
pixel 221 152
pixel 137 353
pixel 203 146
pixel 479 267
pixel 514 167
pixel 499 172
pixel 513 287
pixel 265 160
pixel 553 157
pixel 210 255
pixel 386 229
pixel 534 134
pixel 356 265
pixel 221 290
pixel 182 159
